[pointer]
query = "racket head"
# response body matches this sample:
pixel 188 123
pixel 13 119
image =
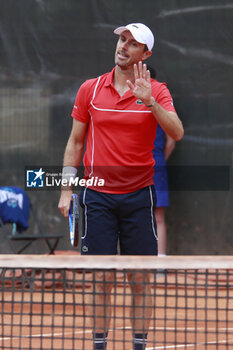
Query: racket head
pixel 74 216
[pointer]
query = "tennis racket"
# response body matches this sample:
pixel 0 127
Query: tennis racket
pixel 74 216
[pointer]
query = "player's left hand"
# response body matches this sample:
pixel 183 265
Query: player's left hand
pixel 142 83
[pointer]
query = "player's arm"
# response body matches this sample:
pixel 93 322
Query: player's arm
pixel 168 120
pixel 72 158
pixel 141 88
pixel 169 146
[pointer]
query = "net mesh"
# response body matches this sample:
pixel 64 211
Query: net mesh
pixel 60 303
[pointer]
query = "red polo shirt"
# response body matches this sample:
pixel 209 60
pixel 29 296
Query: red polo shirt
pixel 121 133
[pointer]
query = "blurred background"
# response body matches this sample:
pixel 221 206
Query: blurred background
pixel 48 48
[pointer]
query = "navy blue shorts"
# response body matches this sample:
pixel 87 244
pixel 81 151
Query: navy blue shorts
pixel 128 218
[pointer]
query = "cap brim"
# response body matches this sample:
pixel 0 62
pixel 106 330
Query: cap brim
pixel 120 30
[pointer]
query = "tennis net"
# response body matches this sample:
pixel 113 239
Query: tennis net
pixel 63 302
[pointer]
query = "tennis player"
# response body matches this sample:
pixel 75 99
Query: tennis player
pixel 117 114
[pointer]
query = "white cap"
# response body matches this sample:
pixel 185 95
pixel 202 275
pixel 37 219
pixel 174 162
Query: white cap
pixel 140 32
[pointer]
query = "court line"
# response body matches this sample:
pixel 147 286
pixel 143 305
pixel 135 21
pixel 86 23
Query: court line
pixel 201 329
pixel 188 345
pixel 46 335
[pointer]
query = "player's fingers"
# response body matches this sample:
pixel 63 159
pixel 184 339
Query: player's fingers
pixel 136 74
pixel 144 68
pixel 64 208
pixel 64 203
pixel 148 75
pixel 130 85
pixel 64 211
pixel 140 69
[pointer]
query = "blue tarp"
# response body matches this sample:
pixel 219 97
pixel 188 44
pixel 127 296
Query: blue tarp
pixel 14 207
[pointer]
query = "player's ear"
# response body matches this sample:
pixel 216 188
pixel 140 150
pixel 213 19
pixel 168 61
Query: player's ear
pixel 146 54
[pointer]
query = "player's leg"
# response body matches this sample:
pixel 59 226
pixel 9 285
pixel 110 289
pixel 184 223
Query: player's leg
pixel 141 310
pixel 100 236
pixel 138 236
pixel 162 230
pixel 101 308
pixel 162 194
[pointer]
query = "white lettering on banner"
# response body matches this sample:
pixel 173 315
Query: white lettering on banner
pixel 74 181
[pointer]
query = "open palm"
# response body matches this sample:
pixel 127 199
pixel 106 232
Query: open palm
pixel 142 84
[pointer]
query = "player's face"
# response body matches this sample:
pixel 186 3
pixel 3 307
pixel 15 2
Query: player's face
pixel 129 51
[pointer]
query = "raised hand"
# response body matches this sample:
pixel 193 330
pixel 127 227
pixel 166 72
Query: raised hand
pixel 141 88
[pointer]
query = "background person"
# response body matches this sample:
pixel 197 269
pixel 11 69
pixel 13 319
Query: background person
pixel 163 147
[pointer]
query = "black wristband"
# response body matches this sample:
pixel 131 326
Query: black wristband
pixel 152 103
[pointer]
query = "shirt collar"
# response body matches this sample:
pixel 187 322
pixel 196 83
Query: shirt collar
pixel 109 80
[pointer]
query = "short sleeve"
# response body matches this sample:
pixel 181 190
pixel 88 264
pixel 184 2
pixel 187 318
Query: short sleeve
pixel 81 105
pixel 164 98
